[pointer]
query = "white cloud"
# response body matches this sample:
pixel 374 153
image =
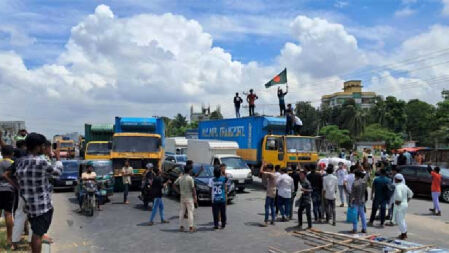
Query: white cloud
pixel 445 10
pixel 17 38
pixel 321 44
pixel 406 12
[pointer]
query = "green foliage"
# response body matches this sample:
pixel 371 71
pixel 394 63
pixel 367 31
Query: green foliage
pixel 375 132
pixel 336 136
pixel 420 121
pixel 395 115
pixel 216 115
pixel 353 118
pixel 307 113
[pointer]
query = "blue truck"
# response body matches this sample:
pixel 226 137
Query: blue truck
pixel 262 139
pixel 138 140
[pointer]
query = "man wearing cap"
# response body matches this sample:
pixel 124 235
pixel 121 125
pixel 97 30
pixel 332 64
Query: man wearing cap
pixel 402 195
pixel 33 174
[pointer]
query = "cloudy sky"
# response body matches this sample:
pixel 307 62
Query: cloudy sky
pixel 64 63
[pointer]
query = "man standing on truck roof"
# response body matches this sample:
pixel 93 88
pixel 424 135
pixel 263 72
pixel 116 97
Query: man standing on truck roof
pixel 251 99
pixel 281 97
pixel 290 117
pixel 237 102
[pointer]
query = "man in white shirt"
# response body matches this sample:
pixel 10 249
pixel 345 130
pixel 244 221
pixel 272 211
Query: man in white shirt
pixel 285 187
pixel 341 174
pixel 349 181
pixel 330 183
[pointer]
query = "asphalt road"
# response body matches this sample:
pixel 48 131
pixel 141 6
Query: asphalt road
pixel 119 227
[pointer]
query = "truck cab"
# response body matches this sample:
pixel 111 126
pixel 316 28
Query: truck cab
pixel 98 150
pixel 236 169
pixel 66 148
pixel 289 150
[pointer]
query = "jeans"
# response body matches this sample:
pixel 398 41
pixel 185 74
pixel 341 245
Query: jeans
pixel 341 191
pixel 251 110
pixel 292 199
pixel 186 204
pixel 219 209
pixel 158 204
pixel 284 206
pixel 269 205
pixel 125 192
pixel 282 108
pixel 330 210
pixel 237 112
pixel 301 209
pixel 436 201
pixel 361 215
pixel 383 210
pixel 316 201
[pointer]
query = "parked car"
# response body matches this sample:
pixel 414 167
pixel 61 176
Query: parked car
pixel 202 178
pixel 69 176
pixel 171 160
pixel 419 180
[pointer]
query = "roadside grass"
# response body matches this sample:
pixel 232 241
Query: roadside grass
pixel 23 246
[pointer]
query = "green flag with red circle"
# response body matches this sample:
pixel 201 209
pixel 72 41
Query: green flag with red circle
pixel 281 78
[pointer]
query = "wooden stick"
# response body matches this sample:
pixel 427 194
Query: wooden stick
pixel 335 242
pixel 276 249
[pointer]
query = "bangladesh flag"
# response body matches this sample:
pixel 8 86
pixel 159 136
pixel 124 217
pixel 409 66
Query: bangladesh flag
pixel 279 79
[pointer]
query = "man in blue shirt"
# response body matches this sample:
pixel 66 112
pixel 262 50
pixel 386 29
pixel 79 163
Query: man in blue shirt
pixel 380 190
pixel 218 198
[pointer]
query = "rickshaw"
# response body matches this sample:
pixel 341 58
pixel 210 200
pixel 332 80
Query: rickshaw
pixel 105 178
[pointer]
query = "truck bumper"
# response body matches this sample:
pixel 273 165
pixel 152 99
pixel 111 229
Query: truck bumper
pixel 242 182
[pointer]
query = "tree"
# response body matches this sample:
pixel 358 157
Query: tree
pixel 309 116
pixel 421 121
pixel 353 118
pixel 336 136
pixel 376 114
pixel 216 115
pixel 375 132
pixel 179 121
pixel 395 115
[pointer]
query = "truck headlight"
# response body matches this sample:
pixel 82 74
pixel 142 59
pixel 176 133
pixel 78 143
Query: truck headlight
pixel 250 175
pixel 203 187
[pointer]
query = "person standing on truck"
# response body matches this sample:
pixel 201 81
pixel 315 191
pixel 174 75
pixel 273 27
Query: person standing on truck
pixel 251 99
pixel 237 102
pixel 281 97
pixel 186 187
pixel 127 172
pixel 290 117
pixel 266 171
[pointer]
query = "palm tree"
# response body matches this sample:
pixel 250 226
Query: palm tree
pixel 354 119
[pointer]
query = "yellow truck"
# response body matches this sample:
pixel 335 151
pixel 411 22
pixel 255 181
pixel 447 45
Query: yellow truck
pixel 65 147
pixel 139 141
pixel 261 139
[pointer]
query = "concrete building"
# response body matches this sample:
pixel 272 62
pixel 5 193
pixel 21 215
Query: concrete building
pixel 351 89
pixel 203 115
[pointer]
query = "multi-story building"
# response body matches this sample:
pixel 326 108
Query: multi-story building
pixel 351 89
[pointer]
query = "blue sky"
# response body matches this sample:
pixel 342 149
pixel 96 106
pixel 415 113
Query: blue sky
pixel 49 22
pixel 92 60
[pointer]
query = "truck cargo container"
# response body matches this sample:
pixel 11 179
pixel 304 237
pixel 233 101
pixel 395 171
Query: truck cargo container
pixel 176 145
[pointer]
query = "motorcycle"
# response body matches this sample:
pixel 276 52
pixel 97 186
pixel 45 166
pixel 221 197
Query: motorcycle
pixel 89 200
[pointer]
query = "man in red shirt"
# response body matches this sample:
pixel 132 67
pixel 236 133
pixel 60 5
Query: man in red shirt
pixel 251 99
pixel 436 189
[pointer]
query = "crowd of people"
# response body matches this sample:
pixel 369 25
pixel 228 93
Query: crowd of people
pixel 25 189
pixel 315 192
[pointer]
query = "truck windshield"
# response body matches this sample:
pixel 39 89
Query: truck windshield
pixel 135 144
pixel 102 168
pixel 234 163
pixel 297 144
pixel 98 149
pixel 66 144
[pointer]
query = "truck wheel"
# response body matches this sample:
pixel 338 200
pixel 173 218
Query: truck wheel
pixel 445 195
